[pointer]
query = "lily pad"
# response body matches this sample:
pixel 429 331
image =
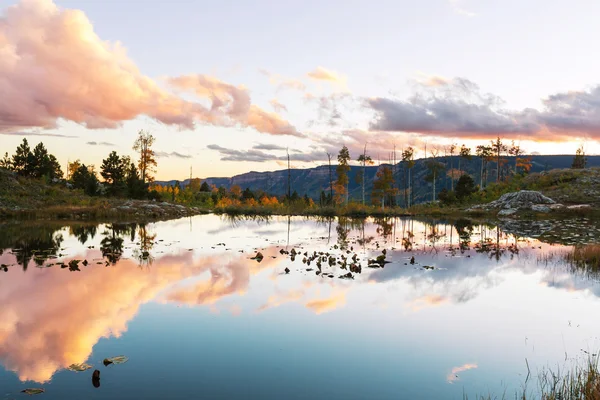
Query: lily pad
pixel 79 367
pixel 115 360
pixel 32 391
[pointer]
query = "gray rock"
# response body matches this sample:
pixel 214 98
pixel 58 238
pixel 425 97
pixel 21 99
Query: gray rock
pixel 507 212
pixel 540 208
pixel 521 200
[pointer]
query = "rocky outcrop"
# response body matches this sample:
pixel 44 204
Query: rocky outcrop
pixel 510 204
pixel 154 209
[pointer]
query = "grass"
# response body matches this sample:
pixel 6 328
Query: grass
pixel 584 258
pixel 580 382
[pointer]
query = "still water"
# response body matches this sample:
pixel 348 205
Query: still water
pixel 199 317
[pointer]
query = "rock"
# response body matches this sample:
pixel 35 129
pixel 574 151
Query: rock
pixel 96 379
pixel 522 199
pixel 540 208
pixel 507 212
pixel 579 207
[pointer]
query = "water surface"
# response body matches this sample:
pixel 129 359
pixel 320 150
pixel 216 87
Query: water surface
pixel 199 318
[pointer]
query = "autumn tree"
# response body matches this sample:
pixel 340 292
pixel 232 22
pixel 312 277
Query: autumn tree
pixel 498 148
pixel 236 191
pixel 383 187
pixel 364 159
pixel 451 150
pixel 147 162
pixel 409 163
pixel 341 184
pixel 515 151
pixel 465 154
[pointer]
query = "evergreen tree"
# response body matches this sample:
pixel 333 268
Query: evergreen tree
pixel 44 164
pixel 579 161
pixel 136 188
pixel 465 187
pixel 22 160
pixel 113 173
pixel 83 178
pixel 5 162
pixel 247 194
pixel 204 187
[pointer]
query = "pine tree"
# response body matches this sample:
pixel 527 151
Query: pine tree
pixel 579 161
pixel 22 160
pixel 113 171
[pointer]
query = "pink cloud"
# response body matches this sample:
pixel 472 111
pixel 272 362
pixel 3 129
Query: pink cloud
pixel 54 66
pixel 229 102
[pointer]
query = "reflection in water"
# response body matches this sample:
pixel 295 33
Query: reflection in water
pixel 50 318
pixel 453 375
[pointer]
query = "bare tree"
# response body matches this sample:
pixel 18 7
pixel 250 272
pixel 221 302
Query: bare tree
pixel 364 159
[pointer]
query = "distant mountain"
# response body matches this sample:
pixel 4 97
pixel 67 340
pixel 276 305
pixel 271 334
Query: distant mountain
pixel 312 181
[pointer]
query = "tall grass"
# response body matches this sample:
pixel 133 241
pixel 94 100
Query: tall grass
pixel 580 382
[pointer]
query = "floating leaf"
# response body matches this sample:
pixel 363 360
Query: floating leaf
pixel 79 367
pixel 115 360
pixel 32 391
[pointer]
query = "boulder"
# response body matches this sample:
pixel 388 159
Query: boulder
pixel 521 200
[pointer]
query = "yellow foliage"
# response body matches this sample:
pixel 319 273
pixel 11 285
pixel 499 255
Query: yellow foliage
pixel 227 202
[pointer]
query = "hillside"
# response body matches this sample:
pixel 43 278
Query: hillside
pixel 312 181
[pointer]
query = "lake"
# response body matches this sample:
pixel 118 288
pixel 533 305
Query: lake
pixel 445 308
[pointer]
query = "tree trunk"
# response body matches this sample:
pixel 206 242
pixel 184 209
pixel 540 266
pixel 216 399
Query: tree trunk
pixel 330 179
pixel 481 176
pixel 433 186
pixel 452 173
pixel 289 179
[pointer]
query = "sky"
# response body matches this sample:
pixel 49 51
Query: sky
pixel 226 87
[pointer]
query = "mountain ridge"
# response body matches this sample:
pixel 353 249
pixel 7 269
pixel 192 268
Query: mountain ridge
pixel 312 181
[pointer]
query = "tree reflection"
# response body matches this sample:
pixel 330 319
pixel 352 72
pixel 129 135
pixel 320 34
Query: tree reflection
pixel 384 227
pixel 83 232
pixel 464 228
pixel 146 243
pixel 342 231
pixel 111 245
pixel 31 243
